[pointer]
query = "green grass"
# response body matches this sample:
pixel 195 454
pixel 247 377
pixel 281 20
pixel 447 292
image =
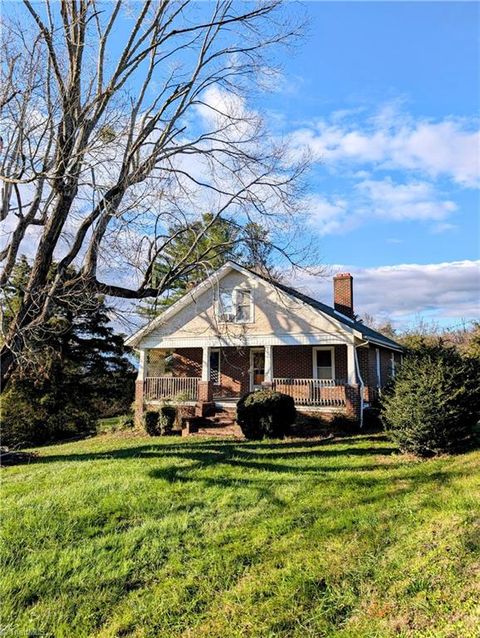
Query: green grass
pixel 175 537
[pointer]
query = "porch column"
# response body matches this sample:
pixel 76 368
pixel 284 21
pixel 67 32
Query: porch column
pixel 142 365
pixel 205 405
pixel 206 364
pixel 351 374
pixel 268 372
pixel 139 386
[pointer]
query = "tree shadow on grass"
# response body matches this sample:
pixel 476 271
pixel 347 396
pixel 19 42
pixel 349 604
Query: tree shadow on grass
pixel 212 451
pixel 374 473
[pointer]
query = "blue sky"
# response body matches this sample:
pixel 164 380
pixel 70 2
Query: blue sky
pixel 386 96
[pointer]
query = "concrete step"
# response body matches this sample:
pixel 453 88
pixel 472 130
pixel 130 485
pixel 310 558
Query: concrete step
pixel 230 430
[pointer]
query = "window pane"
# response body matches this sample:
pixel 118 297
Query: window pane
pixel 324 364
pixel 324 372
pixel 225 305
pixel 226 301
pixel 324 358
pixel 243 305
pixel 243 297
pixel 243 313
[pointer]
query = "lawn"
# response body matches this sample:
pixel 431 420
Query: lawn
pixel 196 537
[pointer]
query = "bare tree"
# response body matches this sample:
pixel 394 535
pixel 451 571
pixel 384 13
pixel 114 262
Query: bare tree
pixel 117 120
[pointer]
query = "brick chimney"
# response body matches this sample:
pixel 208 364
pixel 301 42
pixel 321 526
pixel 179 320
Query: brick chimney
pixel 343 293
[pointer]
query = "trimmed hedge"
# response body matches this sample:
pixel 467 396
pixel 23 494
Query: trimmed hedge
pixel 265 414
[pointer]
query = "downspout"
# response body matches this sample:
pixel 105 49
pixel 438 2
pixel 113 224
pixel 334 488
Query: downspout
pixel 362 385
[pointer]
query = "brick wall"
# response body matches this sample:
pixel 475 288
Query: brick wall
pixel 341 371
pixel 296 362
pixel 368 364
pixel 187 362
pixel 234 372
pixel 385 365
pixel 343 294
pixel 292 361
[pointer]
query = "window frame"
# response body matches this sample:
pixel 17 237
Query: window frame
pixel 314 361
pixel 221 316
pixel 393 365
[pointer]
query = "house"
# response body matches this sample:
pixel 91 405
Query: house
pixel 238 331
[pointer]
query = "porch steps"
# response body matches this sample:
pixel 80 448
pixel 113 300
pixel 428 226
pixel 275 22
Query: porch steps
pixel 221 424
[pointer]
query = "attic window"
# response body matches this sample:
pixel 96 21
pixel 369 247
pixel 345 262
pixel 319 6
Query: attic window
pixel 235 306
pixel 243 306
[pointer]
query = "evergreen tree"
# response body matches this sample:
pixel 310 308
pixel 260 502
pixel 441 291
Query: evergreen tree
pixel 220 241
pixel 433 404
pixel 217 244
pixel 77 371
pixel 257 251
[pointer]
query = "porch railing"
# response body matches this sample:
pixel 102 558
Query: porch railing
pixel 315 392
pixel 184 388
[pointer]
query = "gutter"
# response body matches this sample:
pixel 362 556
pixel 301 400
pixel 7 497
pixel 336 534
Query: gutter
pixel 362 385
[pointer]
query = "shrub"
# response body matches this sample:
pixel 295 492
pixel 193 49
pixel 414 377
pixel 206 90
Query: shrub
pixel 372 418
pixel 265 414
pixel 344 423
pixel 160 423
pixel 27 418
pixel 126 421
pixel 433 405
pixel 150 421
pixel 168 414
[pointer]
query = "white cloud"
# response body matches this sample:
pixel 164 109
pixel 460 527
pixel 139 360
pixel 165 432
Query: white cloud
pixel 443 227
pixel 393 140
pixel 447 292
pixel 378 200
pixel 414 200
pixel 329 216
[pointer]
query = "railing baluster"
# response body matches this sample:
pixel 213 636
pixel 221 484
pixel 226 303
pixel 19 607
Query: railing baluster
pixel 170 387
pixel 314 392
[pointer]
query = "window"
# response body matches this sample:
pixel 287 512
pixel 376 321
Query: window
pixel 243 306
pixel 235 305
pixel 225 306
pixel 378 367
pixel 215 367
pixel 323 363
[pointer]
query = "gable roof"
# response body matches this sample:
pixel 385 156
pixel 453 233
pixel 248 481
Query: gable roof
pixel 369 334
pixel 363 331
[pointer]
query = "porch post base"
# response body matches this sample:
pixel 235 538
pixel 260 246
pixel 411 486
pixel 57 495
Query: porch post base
pixel 205 405
pixel 352 395
pixel 205 392
pixel 138 403
pixel 267 385
pixel 204 408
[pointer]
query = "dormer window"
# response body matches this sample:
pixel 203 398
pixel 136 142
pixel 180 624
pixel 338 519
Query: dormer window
pixel 235 306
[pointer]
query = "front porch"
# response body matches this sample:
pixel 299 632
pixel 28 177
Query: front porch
pixel 318 377
pixel 305 392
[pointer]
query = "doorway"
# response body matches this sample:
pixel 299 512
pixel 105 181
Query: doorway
pixel 257 368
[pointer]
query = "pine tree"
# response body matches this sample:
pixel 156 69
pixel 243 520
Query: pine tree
pixel 77 371
pixel 221 240
pixel 218 244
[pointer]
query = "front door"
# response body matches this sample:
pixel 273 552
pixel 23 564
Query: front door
pixel 257 368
